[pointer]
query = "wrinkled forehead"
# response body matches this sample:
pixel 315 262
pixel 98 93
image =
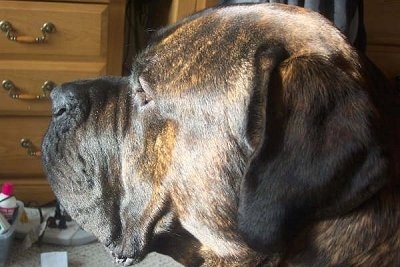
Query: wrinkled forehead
pixel 193 55
pixel 220 46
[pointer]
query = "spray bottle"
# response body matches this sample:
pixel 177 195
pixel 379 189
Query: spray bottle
pixel 8 202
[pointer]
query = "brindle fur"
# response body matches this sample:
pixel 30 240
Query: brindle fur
pixel 245 136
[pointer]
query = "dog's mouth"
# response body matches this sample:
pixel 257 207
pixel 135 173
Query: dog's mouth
pixel 122 260
pixel 137 242
pixel 124 257
pixel 168 238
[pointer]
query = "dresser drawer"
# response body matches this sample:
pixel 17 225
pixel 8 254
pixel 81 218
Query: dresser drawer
pixel 28 77
pixel 80 29
pixel 15 160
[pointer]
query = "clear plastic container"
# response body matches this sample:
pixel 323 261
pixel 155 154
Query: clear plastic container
pixel 7 238
pixel 4 224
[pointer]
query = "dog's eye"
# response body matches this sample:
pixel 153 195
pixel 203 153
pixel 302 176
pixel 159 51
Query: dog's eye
pixel 142 93
pixel 142 97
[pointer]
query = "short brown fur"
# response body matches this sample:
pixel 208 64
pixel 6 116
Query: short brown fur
pixel 245 136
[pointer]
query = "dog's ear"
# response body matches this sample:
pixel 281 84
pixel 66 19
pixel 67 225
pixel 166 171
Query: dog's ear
pixel 317 150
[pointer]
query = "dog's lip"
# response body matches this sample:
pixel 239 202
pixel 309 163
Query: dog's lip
pixel 130 256
pixel 125 261
pixel 118 258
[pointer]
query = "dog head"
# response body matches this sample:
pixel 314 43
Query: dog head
pixel 238 127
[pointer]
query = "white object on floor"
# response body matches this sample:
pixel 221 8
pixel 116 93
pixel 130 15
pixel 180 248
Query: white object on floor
pixel 51 259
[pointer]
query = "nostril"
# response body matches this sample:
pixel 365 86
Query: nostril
pixel 60 112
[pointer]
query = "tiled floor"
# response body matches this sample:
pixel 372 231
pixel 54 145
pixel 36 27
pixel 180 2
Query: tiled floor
pixel 91 255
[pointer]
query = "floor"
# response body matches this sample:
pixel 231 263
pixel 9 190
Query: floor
pixel 90 255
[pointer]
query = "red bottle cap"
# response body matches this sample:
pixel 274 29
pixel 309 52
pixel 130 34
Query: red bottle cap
pixel 7 189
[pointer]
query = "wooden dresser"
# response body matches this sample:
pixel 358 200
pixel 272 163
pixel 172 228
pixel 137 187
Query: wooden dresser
pixel 44 43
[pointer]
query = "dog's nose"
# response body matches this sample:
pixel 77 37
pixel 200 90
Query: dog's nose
pixel 77 98
pixel 64 98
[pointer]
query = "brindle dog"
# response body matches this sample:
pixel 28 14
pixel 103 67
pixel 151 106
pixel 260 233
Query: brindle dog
pixel 248 135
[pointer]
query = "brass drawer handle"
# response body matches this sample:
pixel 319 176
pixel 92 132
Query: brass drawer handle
pixel 14 92
pixel 30 147
pixel 46 29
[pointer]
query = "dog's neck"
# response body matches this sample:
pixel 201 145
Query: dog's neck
pixel 361 229
pixel 250 258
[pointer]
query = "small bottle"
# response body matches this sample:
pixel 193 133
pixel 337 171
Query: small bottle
pixel 8 203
